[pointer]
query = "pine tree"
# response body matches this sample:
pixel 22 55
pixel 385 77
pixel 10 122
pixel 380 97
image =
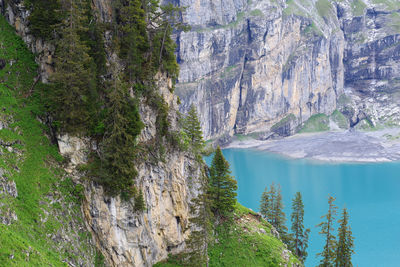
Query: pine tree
pixel 201 231
pixel 140 205
pixel 345 246
pixel 272 195
pixel 74 82
pixel 328 254
pixel 161 20
pixel 133 39
pixel 300 235
pixel 280 217
pixel 44 17
pixel 192 128
pixel 272 209
pixel 223 186
pixel 116 170
pixel 266 204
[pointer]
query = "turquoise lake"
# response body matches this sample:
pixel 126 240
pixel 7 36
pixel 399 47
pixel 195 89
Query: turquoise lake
pixel 369 191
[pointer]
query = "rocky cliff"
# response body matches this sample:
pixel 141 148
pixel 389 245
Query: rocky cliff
pixel 129 238
pixel 41 223
pixel 168 179
pixel 267 66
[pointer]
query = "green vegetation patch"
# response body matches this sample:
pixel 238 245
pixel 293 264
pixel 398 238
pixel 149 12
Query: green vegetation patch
pixel 35 238
pixel 229 71
pixel 293 9
pixel 358 7
pixel 388 4
pixel 312 29
pixel 256 13
pixel 316 123
pixel 395 21
pixel 340 119
pixel 324 8
pixel 289 118
pixel 243 243
pixel 243 137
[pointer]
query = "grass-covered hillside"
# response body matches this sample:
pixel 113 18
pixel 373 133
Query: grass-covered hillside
pixel 247 242
pixel 40 218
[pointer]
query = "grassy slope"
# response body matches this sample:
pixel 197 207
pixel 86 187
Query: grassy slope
pixel 316 123
pixel 245 245
pixel 36 238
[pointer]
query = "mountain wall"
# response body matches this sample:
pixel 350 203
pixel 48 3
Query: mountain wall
pixel 267 66
pixel 169 179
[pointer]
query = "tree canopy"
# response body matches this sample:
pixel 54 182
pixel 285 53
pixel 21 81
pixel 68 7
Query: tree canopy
pixel 345 246
pixel 222 186
pixel 299 233
pixel 328 254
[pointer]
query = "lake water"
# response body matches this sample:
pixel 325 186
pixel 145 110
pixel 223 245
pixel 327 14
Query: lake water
pixel 369 191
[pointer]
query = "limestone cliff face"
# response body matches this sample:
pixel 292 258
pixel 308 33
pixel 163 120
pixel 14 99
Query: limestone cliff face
pixel 372 61
pixel 17 15
pixel 247 65
pixel 129 238
pixel 247 71
pixel 126 237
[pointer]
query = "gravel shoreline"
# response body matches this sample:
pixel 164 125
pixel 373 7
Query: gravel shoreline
pixel 339 146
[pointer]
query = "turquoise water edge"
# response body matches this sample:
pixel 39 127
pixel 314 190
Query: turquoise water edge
pixel 369 191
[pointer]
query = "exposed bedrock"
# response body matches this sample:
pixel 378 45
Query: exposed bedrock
pixel 249 66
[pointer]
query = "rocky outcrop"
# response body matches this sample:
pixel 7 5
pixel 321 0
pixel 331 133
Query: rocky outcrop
pixel 247 66
pixel 8 189
pixel 168 181
pixel 250 70
pixel 17 15
pixel 372 62
pixel 129 238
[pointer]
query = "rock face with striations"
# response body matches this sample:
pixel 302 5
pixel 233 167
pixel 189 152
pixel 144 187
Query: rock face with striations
pixel 129 238
pixel 126 237
pixel 267 66
pixel 372 61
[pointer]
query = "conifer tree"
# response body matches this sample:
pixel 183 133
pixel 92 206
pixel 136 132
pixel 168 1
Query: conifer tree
pixel 344 250
pixel 133 39
pixel 272 209
pixel 192 128
pixel 328 254
pixel 272 196
pixel 280 217
pixel 201 222
pixel 117 170
pixel 161 20
pixel 140 205
pixel 300 235
pixel 223 186
pixel 266 204
pixel 44 17
pixel 73 79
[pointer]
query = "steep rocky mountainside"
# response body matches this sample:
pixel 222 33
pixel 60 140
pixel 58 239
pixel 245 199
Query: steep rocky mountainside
pixel 50 215
pixel 41 222
pixel 168 179
pixel 268 66
pixel 251 241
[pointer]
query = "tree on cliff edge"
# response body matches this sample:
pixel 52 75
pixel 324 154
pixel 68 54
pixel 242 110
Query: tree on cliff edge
pixel 201 227
pixel 300 235
pixel 192 128
pixel 266 203
pixel 73 79
pixel 344 249
pixel 272 209
pixel 222 188
pixel 328 254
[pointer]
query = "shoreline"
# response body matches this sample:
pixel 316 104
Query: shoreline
pixel 348 146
